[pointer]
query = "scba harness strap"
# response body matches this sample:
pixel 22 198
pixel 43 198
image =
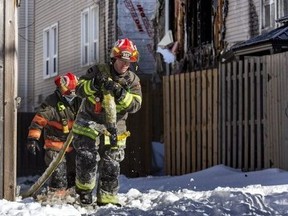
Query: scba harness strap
pixel 61 110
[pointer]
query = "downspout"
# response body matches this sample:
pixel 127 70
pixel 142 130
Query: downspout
pixel 166 16
pixel 185 30
pixel 106 28
pixel 167 29
pixel 261 15
pixel 26 60
pixel 115 22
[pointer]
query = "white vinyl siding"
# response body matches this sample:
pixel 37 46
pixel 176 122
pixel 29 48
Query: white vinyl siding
pixel 90 36
pixel 50 51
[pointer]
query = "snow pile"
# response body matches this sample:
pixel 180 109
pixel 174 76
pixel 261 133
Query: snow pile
pixel 218 190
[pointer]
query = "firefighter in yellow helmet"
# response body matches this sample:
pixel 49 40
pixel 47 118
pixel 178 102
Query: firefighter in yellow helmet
pixel 54 118
pixel 100 143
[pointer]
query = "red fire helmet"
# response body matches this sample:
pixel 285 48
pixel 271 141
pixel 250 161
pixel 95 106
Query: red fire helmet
pixel 126 50
pixel 67 83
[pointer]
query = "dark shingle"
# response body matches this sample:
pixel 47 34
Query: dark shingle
pixel 279 34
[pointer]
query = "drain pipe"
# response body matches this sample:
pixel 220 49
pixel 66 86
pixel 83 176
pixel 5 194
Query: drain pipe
pixel 167 20
pixel 26 59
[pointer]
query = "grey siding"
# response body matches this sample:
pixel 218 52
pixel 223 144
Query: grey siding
pixel 26 55
pixel 239 25
pixel 108 34
pixel 68 16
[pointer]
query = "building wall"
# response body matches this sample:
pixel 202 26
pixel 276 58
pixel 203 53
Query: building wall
pixel 68 16
pixel 239 25
pixel 26 54
pixel 108 31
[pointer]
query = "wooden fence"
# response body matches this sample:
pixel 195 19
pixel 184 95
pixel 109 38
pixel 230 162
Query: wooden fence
pixel 190 121
pixel 241 119
pixel 234 115
pixel 276 131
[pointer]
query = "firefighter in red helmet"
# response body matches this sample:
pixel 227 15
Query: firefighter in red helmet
pixel 99 143
pixel 54 118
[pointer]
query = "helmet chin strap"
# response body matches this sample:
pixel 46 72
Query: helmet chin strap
pixel 69 98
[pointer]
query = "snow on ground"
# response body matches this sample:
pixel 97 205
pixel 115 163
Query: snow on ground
pixel 219 190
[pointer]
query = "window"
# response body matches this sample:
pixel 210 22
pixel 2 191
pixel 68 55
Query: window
pixel 283 8
pixel 268 14
pixel 90 36
pixel 50 51
pixel 273 10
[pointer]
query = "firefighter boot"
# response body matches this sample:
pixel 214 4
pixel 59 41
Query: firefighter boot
pixel 105 199
pixel 85 197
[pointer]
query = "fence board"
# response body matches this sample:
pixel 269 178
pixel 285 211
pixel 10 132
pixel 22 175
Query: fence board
pixel 204 118
pixel 198 120
pixel 223 114
pixel 188 122
pixel 274 112
pixel 228 118
pixel 246 118
pixel 240 114
pixel 252 112
pixel 270 102
pixel 271 131
pixel 215 117
pixel 193 122
pixel 167 126
pixel 278 107
pixel 279 102
pixel 173 128
pixel 259 106
pixel 282 105
pixel 266 104
pixel 177 122
pixel 234 115
pixel 182 123
pixel 209 118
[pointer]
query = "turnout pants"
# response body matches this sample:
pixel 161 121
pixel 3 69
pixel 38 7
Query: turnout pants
pixel 64 175
pixel 94 157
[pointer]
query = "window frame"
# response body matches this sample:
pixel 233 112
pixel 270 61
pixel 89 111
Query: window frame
pixel 281 8
pixel 268 22
pixel 90 35
pixel 50 51
pixel 276 11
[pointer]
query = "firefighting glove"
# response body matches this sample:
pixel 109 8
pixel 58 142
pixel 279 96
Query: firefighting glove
pixel 113 136
pixel 33 146
pixel 115 87
pixel 99 79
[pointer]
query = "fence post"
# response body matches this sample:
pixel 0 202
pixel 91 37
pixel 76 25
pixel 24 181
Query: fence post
pixel 1 94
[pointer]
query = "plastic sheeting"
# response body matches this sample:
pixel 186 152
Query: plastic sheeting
pixel 135 23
